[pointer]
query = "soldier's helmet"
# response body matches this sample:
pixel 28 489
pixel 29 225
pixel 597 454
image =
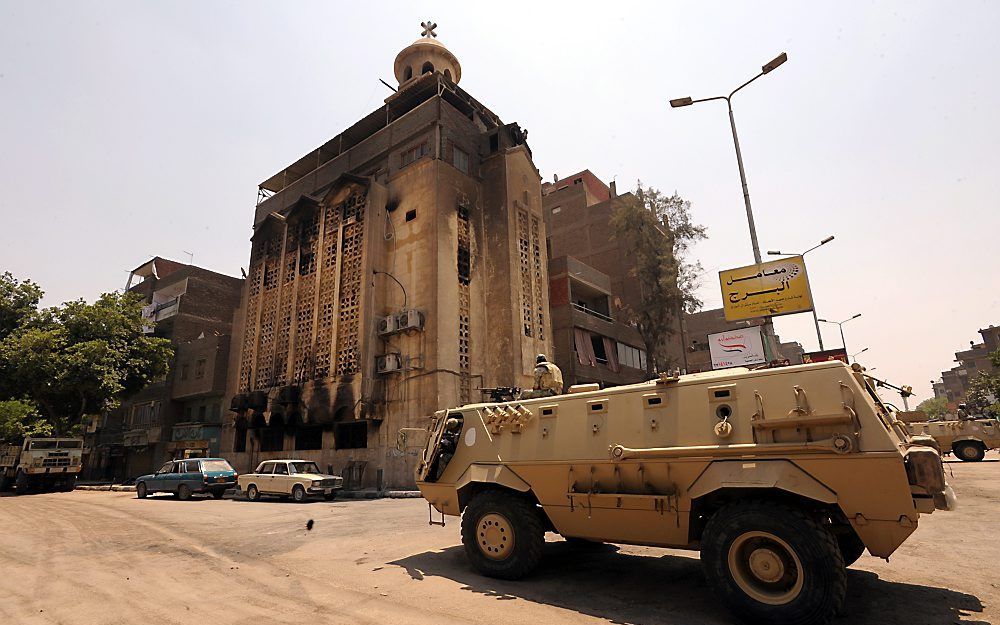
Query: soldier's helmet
pixel 540 358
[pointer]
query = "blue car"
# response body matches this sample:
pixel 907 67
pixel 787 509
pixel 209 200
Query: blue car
pixel 183 478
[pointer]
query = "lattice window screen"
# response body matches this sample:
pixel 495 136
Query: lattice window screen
pixel 284 322
pixel 327 292
pixel 268 312
pixel 305 308
pixel 536 258
pixel 524 253
pixel 250 325
pixel 464 277
pixel 349 306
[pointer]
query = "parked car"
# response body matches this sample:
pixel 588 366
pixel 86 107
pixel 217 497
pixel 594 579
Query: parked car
pixel 186 477
pixel 298 479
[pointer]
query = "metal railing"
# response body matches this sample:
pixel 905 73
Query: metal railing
pixel 591 312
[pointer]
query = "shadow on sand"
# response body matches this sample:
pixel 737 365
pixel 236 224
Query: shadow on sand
pixel 670 589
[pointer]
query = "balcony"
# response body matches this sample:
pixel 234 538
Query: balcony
pixel 167 309
pixel 584 308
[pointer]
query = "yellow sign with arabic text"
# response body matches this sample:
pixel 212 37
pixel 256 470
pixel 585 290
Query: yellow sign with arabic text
pixel 778 287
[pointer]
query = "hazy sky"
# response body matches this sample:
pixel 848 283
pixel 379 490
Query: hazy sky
pixel 131 129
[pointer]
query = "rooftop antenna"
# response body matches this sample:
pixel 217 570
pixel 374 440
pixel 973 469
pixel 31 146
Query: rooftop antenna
pixel 387 85
pixel 190 256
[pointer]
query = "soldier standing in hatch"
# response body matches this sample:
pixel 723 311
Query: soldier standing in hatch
pixel 548 378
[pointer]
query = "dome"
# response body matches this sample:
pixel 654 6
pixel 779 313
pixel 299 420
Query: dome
pixel 423 56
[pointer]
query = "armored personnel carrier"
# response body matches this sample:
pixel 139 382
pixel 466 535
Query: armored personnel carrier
pixel 969 439
pixel 780 477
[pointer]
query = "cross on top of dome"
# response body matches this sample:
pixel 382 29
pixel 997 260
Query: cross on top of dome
pixel 428 30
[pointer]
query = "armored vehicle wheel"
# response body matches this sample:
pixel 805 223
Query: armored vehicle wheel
pixel 4 483
pixel 252 493
pixel 140 490
pixel 298 493
pixel 851 547
pixel 771 563
pixel 969 451
pixel 502 534
pixel 184 492
pixel 70 484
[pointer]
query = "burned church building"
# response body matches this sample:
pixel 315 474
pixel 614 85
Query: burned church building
pixel 394 271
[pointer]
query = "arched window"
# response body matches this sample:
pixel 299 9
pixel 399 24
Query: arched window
pixel 428 68
pixel 408 73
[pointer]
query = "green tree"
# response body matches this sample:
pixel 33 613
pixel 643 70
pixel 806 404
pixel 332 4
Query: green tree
pixel 658 231
pixel 19 419
pixel 934 407
pixel 18 301
pixel 983 394
pixel 83 358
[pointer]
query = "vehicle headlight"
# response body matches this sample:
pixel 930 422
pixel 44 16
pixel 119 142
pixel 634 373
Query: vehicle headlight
pixel 317 483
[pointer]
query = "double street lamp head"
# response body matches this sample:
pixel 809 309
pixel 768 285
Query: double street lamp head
pixel 820 244
pixel 840 322
pixel 772 65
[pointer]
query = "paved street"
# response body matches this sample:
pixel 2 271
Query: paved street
pixel 103 557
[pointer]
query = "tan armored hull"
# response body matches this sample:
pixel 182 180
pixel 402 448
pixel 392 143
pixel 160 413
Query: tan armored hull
pixel 655 463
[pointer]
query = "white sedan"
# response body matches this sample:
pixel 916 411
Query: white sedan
pixel 298 479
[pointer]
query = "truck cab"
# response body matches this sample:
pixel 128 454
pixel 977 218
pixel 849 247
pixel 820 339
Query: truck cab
pixel 41 464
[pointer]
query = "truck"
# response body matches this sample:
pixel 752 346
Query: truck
pixel 41 464
pixel 968 438
pixel 780 477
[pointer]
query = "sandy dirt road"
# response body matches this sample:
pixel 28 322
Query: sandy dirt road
pixel 106 558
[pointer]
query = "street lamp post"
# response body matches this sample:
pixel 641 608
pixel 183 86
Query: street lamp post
pixel 679 102
pixel 819 335
pixel 841 325
pixel 855 355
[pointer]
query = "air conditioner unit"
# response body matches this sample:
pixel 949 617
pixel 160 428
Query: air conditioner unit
pixel 410 320
pixel 387 363
pixel 386 325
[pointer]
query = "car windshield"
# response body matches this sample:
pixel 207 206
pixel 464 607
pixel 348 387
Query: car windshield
pixel 304 467
pixel 43 444
pixel 216 465
pixel 70 444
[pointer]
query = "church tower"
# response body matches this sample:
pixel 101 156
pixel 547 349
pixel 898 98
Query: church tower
pixel 394 271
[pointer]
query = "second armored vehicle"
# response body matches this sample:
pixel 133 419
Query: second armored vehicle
pixel 968 439
pixel 780 477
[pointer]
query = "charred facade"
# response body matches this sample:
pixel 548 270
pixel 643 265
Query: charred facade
pixel 394 270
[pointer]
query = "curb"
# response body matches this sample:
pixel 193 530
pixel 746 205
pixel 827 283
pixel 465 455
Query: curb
pixel 118 488
pixel 236 494
pixel 374 494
